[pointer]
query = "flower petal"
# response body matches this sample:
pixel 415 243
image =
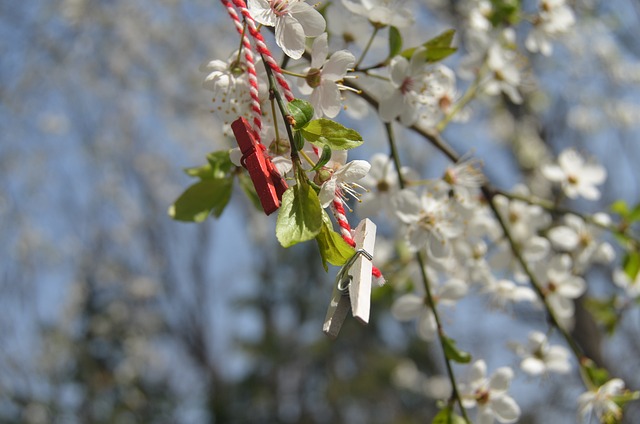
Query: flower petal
pixel 506 409
pixel 407 307
pixel 353 171
pixel 261 12
pixel 290 36
pixel 311 20
pixel 407 206
pixel 337 66
pixel 501 379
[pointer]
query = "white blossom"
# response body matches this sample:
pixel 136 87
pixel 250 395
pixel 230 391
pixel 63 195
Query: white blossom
pixel 323 81
pixel 576 177
pixel 430 222
pixel 539 357
pixel 601 401
pixel 489 394
pixel 555 18
pixel 382 12
pixel 341 177
pixel 293 20
pixel 410 90
pixel 560 286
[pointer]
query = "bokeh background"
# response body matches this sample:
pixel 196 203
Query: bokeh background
pixel 110 312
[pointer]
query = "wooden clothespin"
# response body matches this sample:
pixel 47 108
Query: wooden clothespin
pixel 352 289
pixel 266 179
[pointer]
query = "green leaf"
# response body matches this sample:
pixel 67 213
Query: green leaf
pixel 620 207
pixel 436 49
pixel 505 12
pixel 325 131
pixel 206 197
pixel 203 172
pixel 220 163
pixel 442 40
pixel 634 215
pixel 333 248
pixel 300 215
pixel 247 186
pixel 598 376
pixel 631 264
pixel 324 158
pixel 604 312
pixel 452 352
pixel 447 416
pixel 395 41
pixel 301 111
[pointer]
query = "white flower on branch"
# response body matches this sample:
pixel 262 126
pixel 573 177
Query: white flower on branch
pixel 323 81
pixel 431 222
pixel 382 12
pixel 505 76
pixel 576 177
pixel 559 285
pixel 410 89
pixel 294 20
pixel 489 394
pixel 339 178
pixel 601 402
pixel 555 18
pixel 539 357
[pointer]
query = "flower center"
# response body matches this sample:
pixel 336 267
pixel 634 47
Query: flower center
pixel 280 7
pixel 427 221
pixel 445 103
pixel 482 396
pixel 313 77
pixel 383 186
pixel 407 85
pixel 323 175
pixel 572 179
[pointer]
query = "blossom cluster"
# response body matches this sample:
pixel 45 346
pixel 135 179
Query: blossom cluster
pixel 511 247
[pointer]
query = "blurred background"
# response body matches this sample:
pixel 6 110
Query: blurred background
pixel 110 312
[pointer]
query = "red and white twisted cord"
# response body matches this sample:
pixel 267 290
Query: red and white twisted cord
pixel 345 231
pixel 264 50
pixel 256 110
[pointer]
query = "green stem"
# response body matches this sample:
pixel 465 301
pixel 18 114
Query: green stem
pixel 537 287
pixel 368 46
pixel 431 303
pixel 273 88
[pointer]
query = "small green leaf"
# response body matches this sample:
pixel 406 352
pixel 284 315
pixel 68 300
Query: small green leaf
pixel 452 352
pixel 631 264
pixel 634 215
pixel 324 158
pixel 206 197
pixel 447 416
pixel 325 131
pixel 247 186
pixel 442 40
pixel 598 376
pixel 505 12
pixel 395 41
pixel 203 172
pixel 620 207
pixel 300 215
pixel 301 111
pixel 220 163
pixel 333 248
pixel 436 49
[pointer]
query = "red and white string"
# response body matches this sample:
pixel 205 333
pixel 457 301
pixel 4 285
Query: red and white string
pixel 264 50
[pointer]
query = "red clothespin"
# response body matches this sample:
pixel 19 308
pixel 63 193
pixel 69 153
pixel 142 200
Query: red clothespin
pixel 352 290
pixel 266 179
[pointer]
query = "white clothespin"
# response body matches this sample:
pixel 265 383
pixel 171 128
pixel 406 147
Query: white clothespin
pixel 353 283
